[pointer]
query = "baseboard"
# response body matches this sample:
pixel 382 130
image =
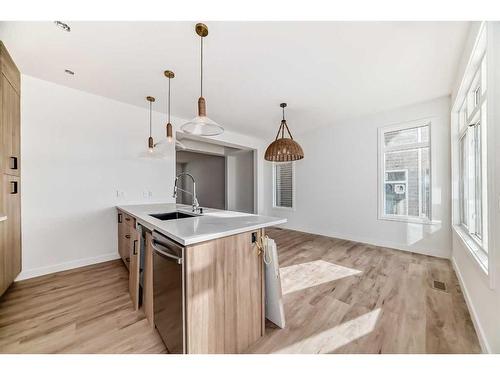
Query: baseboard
pixel 369 241
pixel 485 347
pixel 35 272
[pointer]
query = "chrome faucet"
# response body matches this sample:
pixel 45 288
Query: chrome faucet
pixel 196 205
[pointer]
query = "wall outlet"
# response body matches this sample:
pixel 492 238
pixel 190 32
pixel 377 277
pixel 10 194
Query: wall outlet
pixel 120 194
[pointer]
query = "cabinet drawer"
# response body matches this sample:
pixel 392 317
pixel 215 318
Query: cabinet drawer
pixel 129 220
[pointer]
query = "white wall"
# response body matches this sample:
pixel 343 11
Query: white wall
pixel 240 181
pixel 78 149
pixel 482 293
pixel 336 183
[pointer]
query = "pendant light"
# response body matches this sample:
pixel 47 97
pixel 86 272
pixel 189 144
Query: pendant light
pixel 284 149
pixel 151 144
pixel 201 124
pixel 169 74
pixel 153 150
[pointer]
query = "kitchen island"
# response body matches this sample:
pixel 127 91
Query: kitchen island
pixel 198 276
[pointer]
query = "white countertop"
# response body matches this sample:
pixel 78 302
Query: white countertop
pixel 210 225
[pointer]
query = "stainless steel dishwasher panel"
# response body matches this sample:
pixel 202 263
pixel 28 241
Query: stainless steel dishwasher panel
pixel 168 292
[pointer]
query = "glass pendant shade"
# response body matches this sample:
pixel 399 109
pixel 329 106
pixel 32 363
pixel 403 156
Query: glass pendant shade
pixel 283 149
pixel 201 125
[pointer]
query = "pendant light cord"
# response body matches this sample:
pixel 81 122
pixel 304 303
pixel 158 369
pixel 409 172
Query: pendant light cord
pixel 201 68
pixel 150 122
pixel 168 108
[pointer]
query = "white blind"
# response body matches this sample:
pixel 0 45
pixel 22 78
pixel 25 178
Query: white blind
pixel 283 185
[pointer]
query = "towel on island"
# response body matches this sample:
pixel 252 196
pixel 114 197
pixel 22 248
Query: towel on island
pixel 275 311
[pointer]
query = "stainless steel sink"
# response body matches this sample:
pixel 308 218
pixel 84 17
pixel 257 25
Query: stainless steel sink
pixel 174 215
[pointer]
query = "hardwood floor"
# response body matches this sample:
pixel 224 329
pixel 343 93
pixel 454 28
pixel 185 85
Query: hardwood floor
pixel 347 297
pixel 86 310
pixel 340 297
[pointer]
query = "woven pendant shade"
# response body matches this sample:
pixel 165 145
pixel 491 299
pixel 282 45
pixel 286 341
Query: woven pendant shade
pixel 283 149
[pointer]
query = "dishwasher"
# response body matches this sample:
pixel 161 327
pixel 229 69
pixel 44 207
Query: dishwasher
pixel 169 299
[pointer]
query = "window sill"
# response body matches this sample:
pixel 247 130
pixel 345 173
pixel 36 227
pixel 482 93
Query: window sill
pixel 284 208
pixel 409 219
pixel 473 249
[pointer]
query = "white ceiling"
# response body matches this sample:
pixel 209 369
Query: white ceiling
pixel 326 71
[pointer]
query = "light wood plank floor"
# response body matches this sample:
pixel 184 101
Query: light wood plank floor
pixel 346 297
pixel 86 310
pixel 340 297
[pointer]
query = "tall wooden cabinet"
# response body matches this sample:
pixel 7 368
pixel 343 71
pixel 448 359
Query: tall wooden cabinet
pixel 10 169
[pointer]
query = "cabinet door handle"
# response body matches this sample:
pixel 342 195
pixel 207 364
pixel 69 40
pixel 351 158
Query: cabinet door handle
pixel 120 218
pixel 13 162
pixel 134 250
pixel 127 236
pixel 127 219
pixel 13 187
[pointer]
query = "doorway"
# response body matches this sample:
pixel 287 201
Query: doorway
pixel 224 174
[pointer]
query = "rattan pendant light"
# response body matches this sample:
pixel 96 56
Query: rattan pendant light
pixel 284 149
pixel 201 124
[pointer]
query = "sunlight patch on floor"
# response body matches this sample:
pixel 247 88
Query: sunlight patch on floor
pixel 331 339
pixel 306 275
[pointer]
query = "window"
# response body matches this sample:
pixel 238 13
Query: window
pixel 471 164
pixel 405 191
pixel 283 185
pixel 472 148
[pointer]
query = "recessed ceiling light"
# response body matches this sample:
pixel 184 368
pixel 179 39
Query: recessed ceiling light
pixel 63 26
pixel 70 72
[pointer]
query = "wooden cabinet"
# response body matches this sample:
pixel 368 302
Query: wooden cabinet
pixel 123 239
pixel 9 69
pixel 129 243
pixel 126 224
pixel 10 192
pixel 11 128
pixel 224 295
pixel 12 227
pixel 134 267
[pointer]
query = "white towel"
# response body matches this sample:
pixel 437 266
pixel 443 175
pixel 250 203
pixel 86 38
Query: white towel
pixel 275 311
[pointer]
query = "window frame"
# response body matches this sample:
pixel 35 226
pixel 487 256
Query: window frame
pixel 275 206
pixel 479 72
pixel 470 128
pixel 382 149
